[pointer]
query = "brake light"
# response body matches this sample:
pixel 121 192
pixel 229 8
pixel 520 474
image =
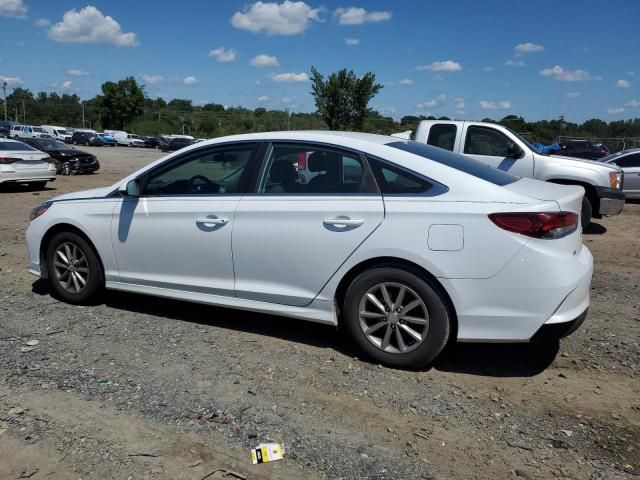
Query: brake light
pixel 302 161
pixel 544 225
pixel 605 153
pixel 8 160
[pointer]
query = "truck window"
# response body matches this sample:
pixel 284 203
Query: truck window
pixel 486 141
pixel 630 161
pixel 442 135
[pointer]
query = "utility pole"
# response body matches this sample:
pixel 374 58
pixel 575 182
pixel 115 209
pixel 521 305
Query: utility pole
pixel 82 103
pixel 4 90
pixel 24 113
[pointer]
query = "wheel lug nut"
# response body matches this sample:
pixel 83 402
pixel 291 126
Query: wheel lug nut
pixel 398 310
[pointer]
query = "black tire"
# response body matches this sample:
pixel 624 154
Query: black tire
pixel 59 167
pixel 94 276
pixel 587 212
pixel 437 332
pixel 37 185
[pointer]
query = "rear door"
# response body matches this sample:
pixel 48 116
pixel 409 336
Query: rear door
pixel 311 207
pixel 491 146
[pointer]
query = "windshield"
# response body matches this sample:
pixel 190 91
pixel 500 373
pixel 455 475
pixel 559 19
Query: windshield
pixel 52 144
pixel 38 129
pixel 61 131
pixel 527 143
pixel 16 147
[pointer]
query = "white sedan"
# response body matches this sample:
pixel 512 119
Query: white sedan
pixel 406 245
pixel 21 163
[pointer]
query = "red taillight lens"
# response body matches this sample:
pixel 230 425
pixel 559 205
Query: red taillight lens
pixel 545 225
pixel 302 161
pixel 605 153
pixel 8 160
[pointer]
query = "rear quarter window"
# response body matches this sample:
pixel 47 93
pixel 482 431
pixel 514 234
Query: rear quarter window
pixel 458 162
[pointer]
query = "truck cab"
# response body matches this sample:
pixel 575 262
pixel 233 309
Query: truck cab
pixel 501 148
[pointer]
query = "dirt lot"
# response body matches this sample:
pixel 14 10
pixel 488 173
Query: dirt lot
pixel 144 388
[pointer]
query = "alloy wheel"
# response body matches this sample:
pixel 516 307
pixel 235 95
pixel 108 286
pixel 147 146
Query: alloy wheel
pixel 393 317
pixel 71 267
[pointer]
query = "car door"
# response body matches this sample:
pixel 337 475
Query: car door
pixel 312 206
pixel 492 147
pixel 630 164
pixel 177 233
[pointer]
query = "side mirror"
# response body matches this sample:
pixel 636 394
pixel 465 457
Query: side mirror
pixel 130 189
pixel 514 151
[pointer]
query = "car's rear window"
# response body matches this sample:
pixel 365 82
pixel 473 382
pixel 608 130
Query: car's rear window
pixel 459 162
pixel 16 147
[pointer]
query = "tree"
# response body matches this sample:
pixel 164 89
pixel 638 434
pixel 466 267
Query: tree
pixel 342 100
pixel 120 103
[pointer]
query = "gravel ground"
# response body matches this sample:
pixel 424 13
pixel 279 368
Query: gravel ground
pixel 140 387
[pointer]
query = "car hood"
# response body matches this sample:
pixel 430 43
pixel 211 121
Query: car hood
pixel 582 160
pixel 66 153
pixel 83 194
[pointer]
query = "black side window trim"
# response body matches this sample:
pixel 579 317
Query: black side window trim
pixel 436 189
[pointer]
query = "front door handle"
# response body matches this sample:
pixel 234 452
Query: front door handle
pixel 212 221
pixel 343 222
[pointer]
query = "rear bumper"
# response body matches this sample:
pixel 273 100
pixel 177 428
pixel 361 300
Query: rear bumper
pixel 27 176
pixel 611 200
pixel 550 332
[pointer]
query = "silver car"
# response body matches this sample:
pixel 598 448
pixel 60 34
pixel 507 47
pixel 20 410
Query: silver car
pixel 21 163
pixel 629 161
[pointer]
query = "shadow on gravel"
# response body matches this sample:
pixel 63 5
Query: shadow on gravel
pixel 498 360
pixel 595 229
pixel 18 188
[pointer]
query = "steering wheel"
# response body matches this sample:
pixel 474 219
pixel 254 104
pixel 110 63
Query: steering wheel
pixel 203 179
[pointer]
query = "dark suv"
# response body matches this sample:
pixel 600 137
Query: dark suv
pixel 86 138
pixel 583 149
pixel 176 144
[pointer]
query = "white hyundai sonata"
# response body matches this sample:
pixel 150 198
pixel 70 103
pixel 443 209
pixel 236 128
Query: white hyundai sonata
pixel 405 245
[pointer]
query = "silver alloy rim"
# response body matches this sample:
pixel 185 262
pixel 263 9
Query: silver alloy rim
pixel 71 267
pixel 393 317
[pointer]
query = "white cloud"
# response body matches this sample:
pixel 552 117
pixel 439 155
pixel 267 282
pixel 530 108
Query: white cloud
pixel 42 22
pixel 13 8
pixel 190 80
pixel 406 81
pixel 528 48
pixel 573 95
pixel 67 84
pixel 77 73
pixel 613 111
pixel 559 73
pixel 487 69
pixel 11 81
pixel 286 100
pixel 459 103
pixel 515 63
pixel 152 79
pixel 264 61
pixel 222 55
pixel 358 16
pixel 460 112
pixel 89 25
pixel 263 98
pixel 501 105
pixel 433 102
pixel 445 66
pixel 632 103
pixel 287 18
pixel 351 42
pixel 289 77
pixel 623 84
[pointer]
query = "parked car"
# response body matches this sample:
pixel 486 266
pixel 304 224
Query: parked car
pixel 145 140
pixel 5 128
pixel 59 133
pixel 504 149
pixel 21 163
pixel 583 149
pixel 108 139
pixel 85 137
pixel 414 245
pixel 66 159
pixel 629 161
pixel 158 141
pixel 128 139
pixel 176 143
pixel 28 131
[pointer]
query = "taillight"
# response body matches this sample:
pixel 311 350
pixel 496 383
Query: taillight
pixel 302 161
pixel 8 160
pixel 545 225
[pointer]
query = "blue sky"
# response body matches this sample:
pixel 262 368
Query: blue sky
pixel 466 59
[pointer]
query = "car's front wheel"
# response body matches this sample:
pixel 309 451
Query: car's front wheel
pixel 396 317
pixel 74 268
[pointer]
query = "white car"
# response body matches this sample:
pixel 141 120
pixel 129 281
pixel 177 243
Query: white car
pixel 21 163
pixel 406 245
pixel 28 131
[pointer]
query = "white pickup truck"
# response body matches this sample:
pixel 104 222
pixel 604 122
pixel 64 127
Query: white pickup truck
pixel 502 148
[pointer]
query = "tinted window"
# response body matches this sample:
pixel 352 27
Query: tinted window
pixel 16 146
pixel 393 180
pixel 442 135
pixel 629 161
pixel 486 141
pixel 310 169
pixel 459 162
pixel 51 144
pixel 209 172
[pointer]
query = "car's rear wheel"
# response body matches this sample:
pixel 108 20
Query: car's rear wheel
pixel 396 317
pixel 587 212
pixel 37 185
pixel 74 268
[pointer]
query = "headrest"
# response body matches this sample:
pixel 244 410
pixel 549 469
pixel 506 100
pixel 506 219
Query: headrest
pixel 283 171
pixel 322 161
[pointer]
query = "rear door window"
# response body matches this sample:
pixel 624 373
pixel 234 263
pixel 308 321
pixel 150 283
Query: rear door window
pixel 394 180
pixel 443 135
pixel 629 161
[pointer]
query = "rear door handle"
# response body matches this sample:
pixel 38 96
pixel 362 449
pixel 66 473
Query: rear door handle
pixel 212 221
pixel 343 222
